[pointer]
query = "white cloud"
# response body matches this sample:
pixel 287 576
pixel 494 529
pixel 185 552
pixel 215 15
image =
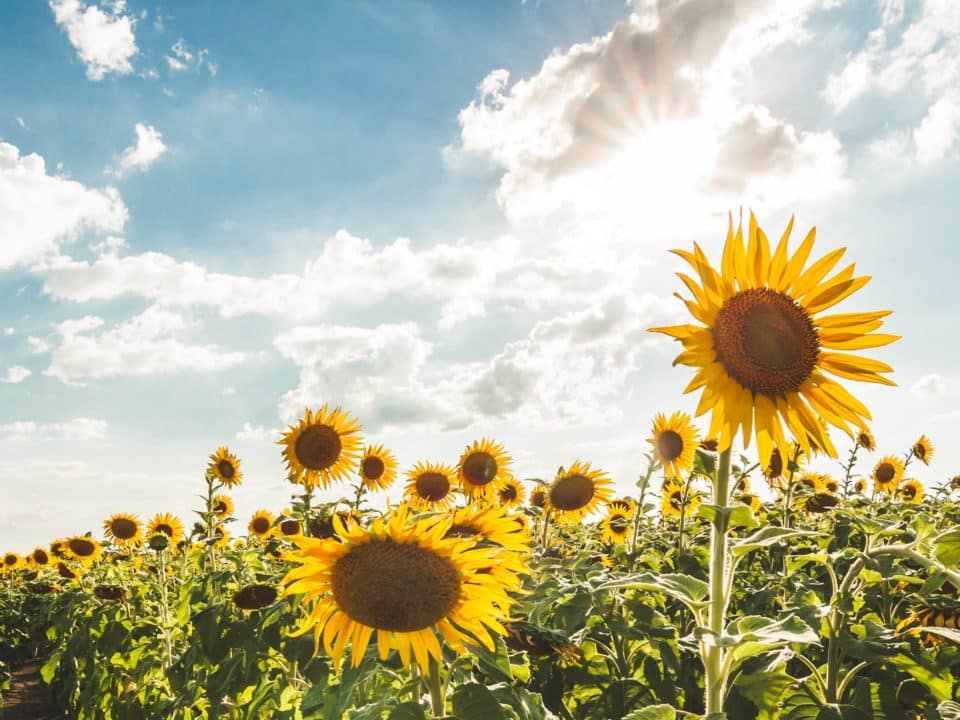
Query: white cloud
pixel 939 130
pixel 8 331
pixel 229 391
pixel 104 40
pixel 258 433
pixel 182 58
pixel 21 122
pixel 81 428
pixel 16 374
pixel 145 153
pixel 38 346
pixel 144 345
pixel 930 385
pixel 39 212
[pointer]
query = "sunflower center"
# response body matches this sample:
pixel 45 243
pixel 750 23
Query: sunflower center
pixel 81 547
pixel 572 492
pixel 318 447
pixel 261 525
pixel 123 528
pixel 220 508
pixel 676 500
pixel 226 469
pixel 40 557
pixel 670 445
pixel 508 493
pixel 393 586
pixel 766 341
pixel 165 529
pixel 885 472
pixel 538 498
pixel 480 468
pixel 775 468
pixel 432 486
pixel 909 492
pixel 290 527
pixel 10 560
pixel 920 451
pixel 619 524
pixel 372 467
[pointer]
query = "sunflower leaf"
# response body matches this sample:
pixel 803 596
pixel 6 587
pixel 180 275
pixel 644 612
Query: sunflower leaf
pixel 726 517
pixel 685 588
pixel 653 712
pixel 946 547
pixel 765 537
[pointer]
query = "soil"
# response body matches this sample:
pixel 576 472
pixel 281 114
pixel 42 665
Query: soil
pixel 29 698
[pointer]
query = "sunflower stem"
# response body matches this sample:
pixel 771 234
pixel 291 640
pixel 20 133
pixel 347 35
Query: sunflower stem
pixel 711 652
pixel 438 703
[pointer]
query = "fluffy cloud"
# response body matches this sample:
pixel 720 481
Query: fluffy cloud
pixel 39 212
pixel 76 429
pixel 930 385
pixel 104 40
pixel 144 345
pixel 15 374
pixel 145 153
pixel 642 126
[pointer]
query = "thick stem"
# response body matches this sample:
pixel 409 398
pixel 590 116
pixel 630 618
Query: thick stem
pixel 438 702
pixel 712 655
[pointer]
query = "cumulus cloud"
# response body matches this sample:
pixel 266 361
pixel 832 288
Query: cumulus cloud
pixel 146 344
pixel 930 385
pixel 81 428
pixel 146 152
pixel 104 41
pixel 16 374
pixel 39 212
pixel 258 433
pixel 183 59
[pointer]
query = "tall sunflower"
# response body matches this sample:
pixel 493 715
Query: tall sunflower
pixel 764 348
pixel 378 468
pixel 923 450
pixel 860 485
pixel 430 486
pixel 577 492
pixel 483 468
pixel 912 492
pixel 511 493
pixel 616 527
pixel 403 580
pixel 222 506
pixel 322 448
pixel 168 525
pixel 674 505
pixel 674 443
pixel 225 467
pixel 538 497
pixel 887 474
pixel 124 529
pixel 773 471
pixel 865 439
pixel 261 525
pixel 623 506
pixel 84 548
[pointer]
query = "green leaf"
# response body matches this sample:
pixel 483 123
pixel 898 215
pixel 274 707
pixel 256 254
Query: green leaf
pixel 684 588
pixel 407 711
pixel 475 702
pixel 946 547
pixel 765 690
pixel 653 712
pixel 765 537
pixel 726 517
pixel 49 668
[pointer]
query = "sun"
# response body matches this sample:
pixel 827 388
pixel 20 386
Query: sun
pixel 322 448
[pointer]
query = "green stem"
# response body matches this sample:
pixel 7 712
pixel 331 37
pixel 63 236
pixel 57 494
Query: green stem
pixel 712 654
pixel 438 701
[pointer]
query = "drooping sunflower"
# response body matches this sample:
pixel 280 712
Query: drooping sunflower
pixel 168 525
pixel 222 506
pixel 84 548
pixel 402 580
pixel 489 523
pixel 955 482
pixel 483 468
pixel 40 557
pixel 865 439
pixel 674 443
pixel 67 572
pixel 672 503
pixel 538 497
pixel 322 448
pixel 430 486
pixel 763 349
pixel 12 561
pixel 261 525
pixel 912 492
pixel 887 474
pixel 378 468
pixel 577 492
pixel 923 450
pixel 773 471
pixel 616 527
pixel 925 617
pixel 820 502
pixel 288 525
pixel 511 493
pixel 742 485
pixel 225 467
pixel 124 529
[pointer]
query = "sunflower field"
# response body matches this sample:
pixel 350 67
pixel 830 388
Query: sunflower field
pixel 733 581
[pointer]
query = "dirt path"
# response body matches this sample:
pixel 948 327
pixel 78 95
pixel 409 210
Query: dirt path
pixel 29 698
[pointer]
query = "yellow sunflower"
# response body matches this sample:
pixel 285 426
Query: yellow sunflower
pixel 616 527
pixel 323 448
pixel 742 485
pixel 168 525
pixel 483 468
pixel 865 439
pixel 288 525
pixel 912 492
pixel 672 503
pixel 763 348
pixel 221 536
pixel 68 573
pixel 773 471
pixel 490 523
pixel 261 525
pixel 814 482
pixel 84 548
pixel 405 581
pixel 40 557
pixel 511 493
pixel 752 501
pixel 222 506
pixel 225 467
pixel 674 443
pixel 955 482
pixel 124 529
pixel 923 450
pixel 378 468
pixel 12 561
pixel 860 485
pixel 623 506
pixel 538 497
pixel 831 485
pixel 430 486
pixel 887 474
pixel 577 492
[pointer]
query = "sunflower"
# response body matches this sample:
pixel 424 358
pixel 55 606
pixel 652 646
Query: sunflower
pixel 710 445
pixel 577 492
pixel 222 506
pixel 674 443
pixel 84 548
pixel 931 617
pixel 489 523
pixel 820 502
pixel 483 468
pixel 912 492
pixel 814 482
pixel 58 548
pixel 763 349
pixel 322 448
pixel 774 469
pixel 955 482
pixel 254 597
pixel 887 474
pixel 430 486
pixel 752 501
pixel 831 485
pixel 67 573
pixel 672 504
pixel 225 467
pixel 261 525
pixel 378 467
pixel 865 439
pixel 221 536
pixel 511 493
pixel 615 527
pixel 405 581
pixel 168 525
pixel 923 450
pixel 538 497
pixel 40 557
pixel 860 485
pixel 623 506
pixel 742 485
pixel 124 529
pixel 12 561
pixel 288 525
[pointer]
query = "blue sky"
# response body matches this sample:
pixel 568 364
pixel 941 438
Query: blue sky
pixel 450 218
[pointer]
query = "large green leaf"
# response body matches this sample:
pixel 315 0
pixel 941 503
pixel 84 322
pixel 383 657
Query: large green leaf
pixel 726 517
pixel 685 588
pixel 475 702
pixel 765 537
pixel 946 548
pixel 653 712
